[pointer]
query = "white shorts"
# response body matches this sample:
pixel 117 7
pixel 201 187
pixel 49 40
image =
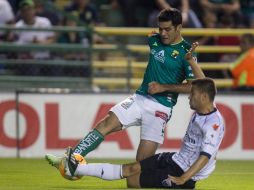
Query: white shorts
pixel 144 111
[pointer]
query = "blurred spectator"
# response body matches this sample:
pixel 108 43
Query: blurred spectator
pixel 142 9
pixel 6 17
pixel 86 11
pixel 74 38
pixel 247 10
pixel 190 19
pixel 15 5
pixel 137 12
pixel 88 15
pixel 111 13
pixel 218 14
pixel 243 68
pixel 28 19
pixel 214 9
pixel 227 22
pixel 43 11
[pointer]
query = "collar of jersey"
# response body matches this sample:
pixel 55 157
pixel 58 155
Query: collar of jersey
pixel 214 110
pixel 177 43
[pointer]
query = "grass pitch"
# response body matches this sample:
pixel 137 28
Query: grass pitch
pixel 37 174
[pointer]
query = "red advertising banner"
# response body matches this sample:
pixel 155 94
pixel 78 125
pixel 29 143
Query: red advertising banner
pixel 48 123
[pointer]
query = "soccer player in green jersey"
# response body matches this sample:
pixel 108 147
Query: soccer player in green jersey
pixel 171 61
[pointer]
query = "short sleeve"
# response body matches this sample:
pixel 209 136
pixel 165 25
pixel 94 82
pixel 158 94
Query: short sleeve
pixel 188 71
pixel 153 39
pixel 213 134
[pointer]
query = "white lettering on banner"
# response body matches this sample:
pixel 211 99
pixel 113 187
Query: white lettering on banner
pixel 47 119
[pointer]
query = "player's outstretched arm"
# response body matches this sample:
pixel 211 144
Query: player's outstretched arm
pixel 197 71
pixel 155 87
pixel 195 168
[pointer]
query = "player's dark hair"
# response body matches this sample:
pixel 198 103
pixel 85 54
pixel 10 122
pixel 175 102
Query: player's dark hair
pixel 207 86
pixel 173 15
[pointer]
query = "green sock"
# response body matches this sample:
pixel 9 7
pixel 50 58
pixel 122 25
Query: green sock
pixel 89 143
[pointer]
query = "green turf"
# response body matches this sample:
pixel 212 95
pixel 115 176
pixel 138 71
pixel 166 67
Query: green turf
pixel 36 174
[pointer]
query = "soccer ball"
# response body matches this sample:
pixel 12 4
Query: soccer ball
pixel 81 160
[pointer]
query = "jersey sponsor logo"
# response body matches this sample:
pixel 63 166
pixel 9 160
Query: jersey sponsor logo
pixel 86 143
pixel 153 51
pixel 160 56
pixel 161 115
pixel 187 138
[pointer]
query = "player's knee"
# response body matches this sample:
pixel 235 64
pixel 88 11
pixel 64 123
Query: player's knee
pixel 140 157
pixel 131 169
pixel 108 124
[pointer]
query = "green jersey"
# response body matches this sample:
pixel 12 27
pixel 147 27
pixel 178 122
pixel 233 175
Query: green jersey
pixel 166 65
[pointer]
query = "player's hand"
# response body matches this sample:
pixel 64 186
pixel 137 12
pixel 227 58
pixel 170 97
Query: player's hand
pixel 177 180
pixel 155 87
pixel 188 56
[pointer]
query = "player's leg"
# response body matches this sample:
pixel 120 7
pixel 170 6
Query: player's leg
pixel 125 113
pixel 151 173
pixel 96 136
pixel 92 140
pixel 108 171
pixel 146 149
pixel 132 172
pixel 104 171
pixel 154 120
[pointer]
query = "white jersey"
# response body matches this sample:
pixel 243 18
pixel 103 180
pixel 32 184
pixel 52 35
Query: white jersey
pixel 6 13
pixel 27 37
pixel 203 137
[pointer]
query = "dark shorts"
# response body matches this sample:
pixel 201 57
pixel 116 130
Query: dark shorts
pixel 155 171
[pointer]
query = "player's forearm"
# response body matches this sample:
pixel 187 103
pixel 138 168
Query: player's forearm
pixel 195 168
pixel 197 71
pixel 178 88
pixel 185 6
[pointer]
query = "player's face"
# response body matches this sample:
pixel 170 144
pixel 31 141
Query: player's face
pixel 169 34
pixel 195 98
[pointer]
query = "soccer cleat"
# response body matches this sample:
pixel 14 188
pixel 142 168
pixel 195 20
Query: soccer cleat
pixel 64 170
pixel 53 160
pixel 71 161
pixel 67 164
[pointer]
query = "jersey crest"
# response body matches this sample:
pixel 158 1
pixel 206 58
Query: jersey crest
pixel 175 53
pixel 215 127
